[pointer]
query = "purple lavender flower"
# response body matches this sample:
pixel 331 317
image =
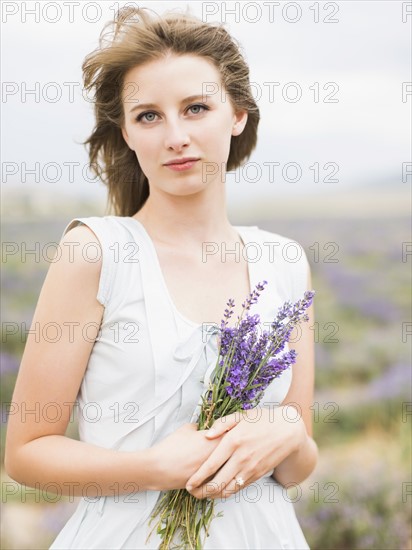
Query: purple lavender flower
pixel 228 313
pixel 253 296
pixel 248 363
pixel 287 318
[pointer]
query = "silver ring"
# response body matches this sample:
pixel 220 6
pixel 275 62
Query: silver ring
pixel 239 481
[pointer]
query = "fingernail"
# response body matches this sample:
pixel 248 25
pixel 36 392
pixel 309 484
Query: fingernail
pixel 212 431
pixel 189 487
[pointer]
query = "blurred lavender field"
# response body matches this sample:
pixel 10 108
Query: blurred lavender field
pixel 360 495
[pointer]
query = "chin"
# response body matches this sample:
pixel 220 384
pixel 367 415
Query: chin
pixel 187 192
pixel 184 189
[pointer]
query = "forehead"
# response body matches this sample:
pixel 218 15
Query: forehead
pixel 172 75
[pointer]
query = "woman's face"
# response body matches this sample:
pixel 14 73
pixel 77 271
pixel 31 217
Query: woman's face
pixel 175 108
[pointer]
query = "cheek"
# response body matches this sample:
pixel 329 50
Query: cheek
pixel 136 139
pixel 221 129
pixel 146 153
pixel 220 133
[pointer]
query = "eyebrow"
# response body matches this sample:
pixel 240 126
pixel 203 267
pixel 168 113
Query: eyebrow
pixel 204 97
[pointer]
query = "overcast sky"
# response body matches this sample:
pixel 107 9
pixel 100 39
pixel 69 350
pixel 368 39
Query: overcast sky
pixel 347 68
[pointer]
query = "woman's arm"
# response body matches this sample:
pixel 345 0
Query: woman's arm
pixel 300 463
pixel 37 450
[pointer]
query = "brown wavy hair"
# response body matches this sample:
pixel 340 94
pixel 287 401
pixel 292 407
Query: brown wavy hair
pixel 137 36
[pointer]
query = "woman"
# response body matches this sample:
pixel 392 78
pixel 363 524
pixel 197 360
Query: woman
pixel 139 293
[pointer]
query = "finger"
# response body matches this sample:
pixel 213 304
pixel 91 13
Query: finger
pixel 226 483
pixel 223 425
pixel 208 490
pixel 231 478
pixel 236 484
pixel 208 469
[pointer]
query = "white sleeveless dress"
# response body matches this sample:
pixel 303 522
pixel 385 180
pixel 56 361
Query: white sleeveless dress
pixel 144 379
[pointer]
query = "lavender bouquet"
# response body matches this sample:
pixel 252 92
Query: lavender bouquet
pixel 247 363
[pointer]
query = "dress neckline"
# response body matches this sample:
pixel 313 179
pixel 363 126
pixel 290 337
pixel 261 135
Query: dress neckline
pixel 242 233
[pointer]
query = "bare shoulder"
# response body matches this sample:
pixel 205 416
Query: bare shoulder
pixel 74 245
pixel 73 277
pixel 75 266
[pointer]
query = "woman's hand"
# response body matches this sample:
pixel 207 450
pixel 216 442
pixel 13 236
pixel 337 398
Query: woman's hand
pixel 179 455
pixel 256 441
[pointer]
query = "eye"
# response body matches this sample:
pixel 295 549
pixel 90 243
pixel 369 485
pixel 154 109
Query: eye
pixel 150 116
pixel 147 114
pixel 198 106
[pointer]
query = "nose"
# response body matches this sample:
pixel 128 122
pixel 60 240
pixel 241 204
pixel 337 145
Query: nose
pixel 176 136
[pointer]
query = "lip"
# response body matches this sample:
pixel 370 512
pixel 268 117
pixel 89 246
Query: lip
pixel 179 165
pixel 181 160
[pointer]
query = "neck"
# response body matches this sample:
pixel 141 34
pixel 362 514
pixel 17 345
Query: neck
pixel 189 219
